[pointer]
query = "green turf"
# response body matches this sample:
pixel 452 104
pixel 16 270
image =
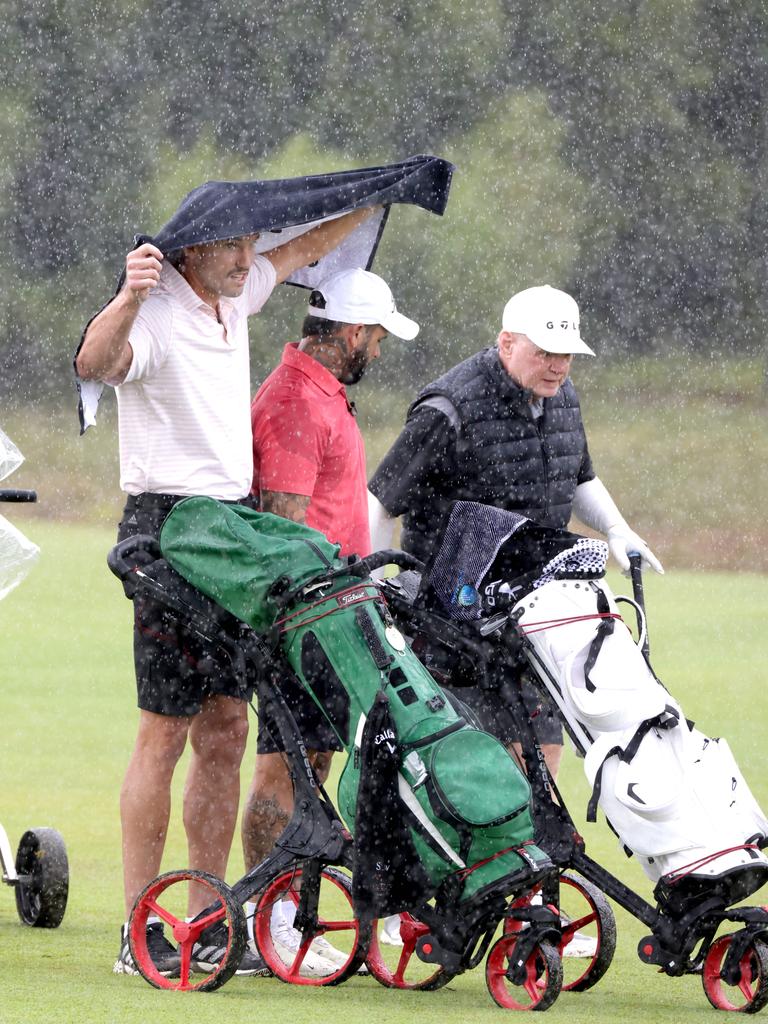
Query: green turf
pixel 66 708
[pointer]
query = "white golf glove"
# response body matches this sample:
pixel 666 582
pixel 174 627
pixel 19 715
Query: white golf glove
pixel 623 542
pixel 594 506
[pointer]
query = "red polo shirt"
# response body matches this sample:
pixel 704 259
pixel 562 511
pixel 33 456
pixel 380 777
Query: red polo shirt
pixel 306 441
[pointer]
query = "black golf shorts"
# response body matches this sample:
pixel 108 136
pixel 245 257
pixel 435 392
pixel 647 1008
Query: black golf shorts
pixel 175 669
pixel 494 716
pixel 315 729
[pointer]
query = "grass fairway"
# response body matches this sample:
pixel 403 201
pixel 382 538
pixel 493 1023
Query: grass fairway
pixel 66 706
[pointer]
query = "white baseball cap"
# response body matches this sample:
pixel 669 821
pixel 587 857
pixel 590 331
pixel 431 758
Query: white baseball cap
pixel 359 297
pixel 549 317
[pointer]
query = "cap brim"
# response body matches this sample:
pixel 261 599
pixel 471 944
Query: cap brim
pixel 563 346
pixel 400 326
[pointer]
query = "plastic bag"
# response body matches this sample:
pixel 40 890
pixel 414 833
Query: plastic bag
pixel 10 456
pixel 17 555
pixel 17 552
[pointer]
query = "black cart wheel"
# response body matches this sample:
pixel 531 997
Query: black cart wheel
pixel 534 985
pixel 748 991
pixel 43 886
pixel 305 960
pixel 167 898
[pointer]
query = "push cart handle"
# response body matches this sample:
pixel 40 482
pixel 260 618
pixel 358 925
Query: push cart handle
pixel 122 558
pixel 9 494
pixel 362 567
pixel 636 574
pixel 390 556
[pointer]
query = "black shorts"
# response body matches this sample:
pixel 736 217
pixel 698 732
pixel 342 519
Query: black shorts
pixel 175 669
pixel 494 715
pixel 316 731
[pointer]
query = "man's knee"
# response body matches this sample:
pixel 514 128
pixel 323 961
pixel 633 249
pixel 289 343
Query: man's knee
pixel 160 741
pixel 220 731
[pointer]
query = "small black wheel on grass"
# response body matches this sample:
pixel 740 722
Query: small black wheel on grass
pixel 43 887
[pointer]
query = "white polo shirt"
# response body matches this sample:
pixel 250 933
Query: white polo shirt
pixel 184 406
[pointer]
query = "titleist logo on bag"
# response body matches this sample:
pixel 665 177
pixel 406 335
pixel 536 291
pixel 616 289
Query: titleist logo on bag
pixel 351 597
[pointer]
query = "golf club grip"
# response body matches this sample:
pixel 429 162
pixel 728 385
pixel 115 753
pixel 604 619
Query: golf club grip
pixel 9 494
pixel 636 574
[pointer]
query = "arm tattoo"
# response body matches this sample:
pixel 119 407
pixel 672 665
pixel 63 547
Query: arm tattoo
pixel 289 506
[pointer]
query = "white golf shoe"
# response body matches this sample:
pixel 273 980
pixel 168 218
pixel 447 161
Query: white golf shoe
pixel 317 962
pixel 390 931
pixel 581 946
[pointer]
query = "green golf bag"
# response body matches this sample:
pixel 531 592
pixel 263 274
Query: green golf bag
pixel 463 799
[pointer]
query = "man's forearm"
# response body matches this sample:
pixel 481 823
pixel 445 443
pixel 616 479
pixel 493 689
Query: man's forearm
pixel 314 244
pixel 289 506
pixel 594 506
pixel 325 237
pixel 380 523
pixel 106 351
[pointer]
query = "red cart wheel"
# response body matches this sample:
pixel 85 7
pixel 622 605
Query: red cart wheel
pixel 166 897
pixel 397 965
pixel 750 993
pixel 335 920
pixel 541 981
pixel 583 909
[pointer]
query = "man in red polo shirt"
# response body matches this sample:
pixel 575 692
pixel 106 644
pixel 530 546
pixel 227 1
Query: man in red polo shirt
pixel 309 466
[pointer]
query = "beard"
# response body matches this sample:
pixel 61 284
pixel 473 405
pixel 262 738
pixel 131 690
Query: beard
pixel 355 368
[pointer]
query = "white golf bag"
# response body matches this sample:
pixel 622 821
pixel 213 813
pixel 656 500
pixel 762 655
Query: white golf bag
pixel 675 797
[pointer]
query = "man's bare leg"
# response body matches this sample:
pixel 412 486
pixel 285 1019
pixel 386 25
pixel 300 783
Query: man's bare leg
pixel 218 736
pixel 268 809
pixel 269 804
pixel 553 754
pixel 145 799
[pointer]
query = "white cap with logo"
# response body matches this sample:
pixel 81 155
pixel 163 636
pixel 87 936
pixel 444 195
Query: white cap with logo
pixel 549 317
pixel 359 297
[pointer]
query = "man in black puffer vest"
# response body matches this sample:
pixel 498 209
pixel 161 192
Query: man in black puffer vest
pixel 504 428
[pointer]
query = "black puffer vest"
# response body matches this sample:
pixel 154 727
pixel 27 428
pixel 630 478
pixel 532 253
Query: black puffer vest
pixel 505 456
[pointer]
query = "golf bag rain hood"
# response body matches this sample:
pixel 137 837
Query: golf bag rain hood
pixel 337 636
pixel 675 797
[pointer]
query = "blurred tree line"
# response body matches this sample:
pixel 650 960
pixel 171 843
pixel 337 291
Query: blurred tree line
pixel 616 148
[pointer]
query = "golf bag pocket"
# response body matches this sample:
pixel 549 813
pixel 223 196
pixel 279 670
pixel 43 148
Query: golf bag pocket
pixel 469 809
pixel 678 799
pixel 575 631
pixel 460 767
pixel 716 774
pixel 617 692
pixel 649 815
